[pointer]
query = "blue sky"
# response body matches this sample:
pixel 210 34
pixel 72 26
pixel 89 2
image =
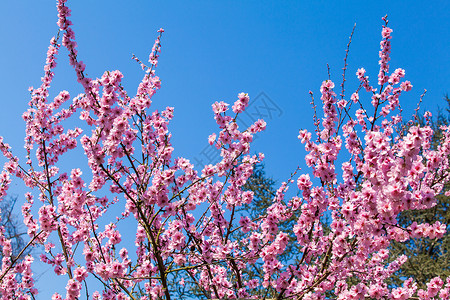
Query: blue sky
pixel 213 50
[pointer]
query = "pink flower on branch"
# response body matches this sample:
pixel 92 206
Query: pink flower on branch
pixel 186 219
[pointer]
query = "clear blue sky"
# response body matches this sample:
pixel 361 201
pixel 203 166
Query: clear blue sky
pixel 212 50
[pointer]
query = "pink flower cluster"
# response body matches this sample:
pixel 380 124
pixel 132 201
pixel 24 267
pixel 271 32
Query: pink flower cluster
pixel 186 219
